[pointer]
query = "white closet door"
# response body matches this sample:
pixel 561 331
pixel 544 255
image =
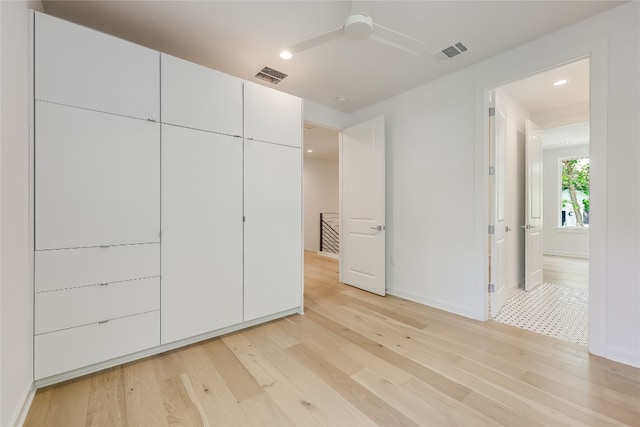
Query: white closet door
pixel 199 97
pixel 97 178
pixel 85 68
pixel 201 232
pixel 273 229
pixel 272 116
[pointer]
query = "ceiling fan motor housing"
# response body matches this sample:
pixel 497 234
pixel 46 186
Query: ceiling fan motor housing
pixel 358 27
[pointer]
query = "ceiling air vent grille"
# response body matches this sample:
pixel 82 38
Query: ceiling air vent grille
pixel 449 52
pixel 270 75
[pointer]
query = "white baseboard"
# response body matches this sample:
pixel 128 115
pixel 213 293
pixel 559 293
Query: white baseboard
pixel 21 415
pixel 566 254
pixel 432 302
pixel 328 254
pixel 623 356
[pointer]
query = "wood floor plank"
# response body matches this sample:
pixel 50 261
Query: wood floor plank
pixel 63 405
pixel 261 410
pixel 283 391
pixel 236 376
pixel 318 393
pixel 107 401
pixel 453 389
pixel 582 397
pixel 418 410
pixel 178 407
pixel 145 405
pixel 456 412
pixel 209 391
pixel 377 409
pixel 553 403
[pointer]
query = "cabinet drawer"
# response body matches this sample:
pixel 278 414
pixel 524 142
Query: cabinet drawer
pixel 69 308
pixel 70 349
pixel 69 268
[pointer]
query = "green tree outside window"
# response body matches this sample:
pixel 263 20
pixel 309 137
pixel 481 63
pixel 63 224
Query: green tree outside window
pixel 575 179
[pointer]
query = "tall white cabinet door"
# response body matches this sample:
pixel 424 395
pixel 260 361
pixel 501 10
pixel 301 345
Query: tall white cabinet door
pixel 97 178
pixel 272 116
pixel 200 98
pixel 85 68
pixel 201 232
pixel 273 229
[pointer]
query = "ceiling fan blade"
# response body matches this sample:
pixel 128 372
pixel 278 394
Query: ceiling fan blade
pixel 316 41
pixel 398 40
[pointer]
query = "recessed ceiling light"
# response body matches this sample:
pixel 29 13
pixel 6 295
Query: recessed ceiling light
pixel 309 151
pixel 285 54
pixel 341 99
pixel 560 82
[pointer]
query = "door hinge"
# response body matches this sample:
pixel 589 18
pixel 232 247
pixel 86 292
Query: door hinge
pixel 492 170
pixel 244 219
pixel 492 111
pixel 492 229
pixel 492 287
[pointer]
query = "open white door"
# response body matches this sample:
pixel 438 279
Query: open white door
pixel 362 211
pixel 498 192
pixel 533 207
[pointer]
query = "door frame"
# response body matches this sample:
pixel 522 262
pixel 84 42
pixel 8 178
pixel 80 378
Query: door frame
pixel 596 51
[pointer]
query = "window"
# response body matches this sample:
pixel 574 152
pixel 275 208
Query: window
pixel 574 187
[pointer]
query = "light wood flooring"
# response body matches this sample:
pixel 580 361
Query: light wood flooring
pixel 354 359
pixel 566 271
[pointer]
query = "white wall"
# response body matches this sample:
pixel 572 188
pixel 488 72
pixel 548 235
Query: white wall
pixel 554 241
pixel 324 116
pixel 16 291
pixel 437 190
pixel 320 195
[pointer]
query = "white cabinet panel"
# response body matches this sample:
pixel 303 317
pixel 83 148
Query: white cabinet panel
pixel 68 308
pixel 97 178
pixel 273 116
pixel 273 229
pixel 70 268
pixel 201 232
pixel 85 68
pixel 69 349
pixel 199 97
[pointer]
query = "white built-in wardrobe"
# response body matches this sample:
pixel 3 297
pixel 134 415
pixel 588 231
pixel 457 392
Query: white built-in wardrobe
pixel 167 201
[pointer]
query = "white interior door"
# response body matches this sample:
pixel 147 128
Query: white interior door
pixel 498 191
pixel 362 198
pixel 533 207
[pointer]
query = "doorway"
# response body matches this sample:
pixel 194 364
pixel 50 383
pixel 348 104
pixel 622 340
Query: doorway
pixel 558 305
pixel 321 190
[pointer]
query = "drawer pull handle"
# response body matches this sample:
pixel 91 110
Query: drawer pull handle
pixel 104 246
pixel 103 284
pixel 102 322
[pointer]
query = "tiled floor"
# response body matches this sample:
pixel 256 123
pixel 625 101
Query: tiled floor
pixel 553 310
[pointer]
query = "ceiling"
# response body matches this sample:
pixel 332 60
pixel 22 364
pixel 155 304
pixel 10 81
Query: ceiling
pixel 241 37
pixel 537 93
pixel 576 134
pixel 320 143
